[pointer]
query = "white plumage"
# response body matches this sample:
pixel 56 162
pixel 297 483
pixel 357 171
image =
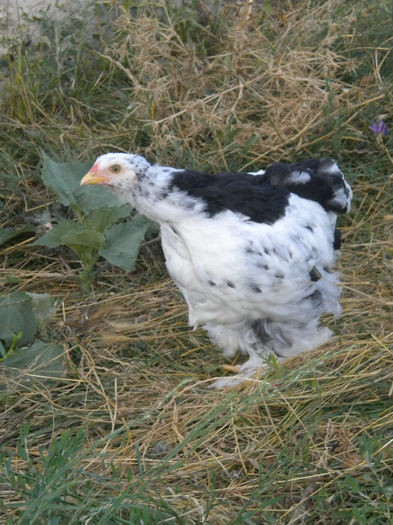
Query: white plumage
pixel 253 254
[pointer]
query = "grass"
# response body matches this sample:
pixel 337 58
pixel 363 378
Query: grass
pixel 131 433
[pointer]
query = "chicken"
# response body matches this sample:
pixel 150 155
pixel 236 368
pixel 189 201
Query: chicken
pixel 252 253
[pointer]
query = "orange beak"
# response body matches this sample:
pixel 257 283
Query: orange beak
pixel 92 177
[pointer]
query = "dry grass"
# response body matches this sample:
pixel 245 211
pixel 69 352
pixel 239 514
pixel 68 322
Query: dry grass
pixel 272 94
pixel 309 442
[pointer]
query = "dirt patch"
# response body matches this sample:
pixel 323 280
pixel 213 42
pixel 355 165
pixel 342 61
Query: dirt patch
pixel 22 20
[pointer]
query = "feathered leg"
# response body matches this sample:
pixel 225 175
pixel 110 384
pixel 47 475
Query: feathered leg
pixel 252 368
pixel 264 337
pixel 240 338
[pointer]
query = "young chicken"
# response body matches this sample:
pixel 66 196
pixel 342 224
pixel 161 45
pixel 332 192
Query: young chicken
pixel 253 254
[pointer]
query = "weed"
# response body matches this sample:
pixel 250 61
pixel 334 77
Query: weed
pixel 95 232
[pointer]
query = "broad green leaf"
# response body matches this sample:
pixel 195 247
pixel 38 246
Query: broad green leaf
pixel 153 228
pixel 102 218
pixel 123 241
pixel 79 236
pixel 6 234
pixel 36 364
pixel 17 316
pixel 53 237
pixel 93 196
pixel 44 305
pixel 143 222
pixel 63 177
pixel 71 234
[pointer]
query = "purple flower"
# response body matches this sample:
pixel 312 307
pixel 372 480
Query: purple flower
pixel 378 129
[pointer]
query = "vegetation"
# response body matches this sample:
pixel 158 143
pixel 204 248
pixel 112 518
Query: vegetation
pixel 106 415
pixel 94 233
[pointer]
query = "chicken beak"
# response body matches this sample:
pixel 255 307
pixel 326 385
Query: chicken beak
pixel 93 178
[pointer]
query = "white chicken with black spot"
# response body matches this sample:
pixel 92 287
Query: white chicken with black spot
pixel 253 254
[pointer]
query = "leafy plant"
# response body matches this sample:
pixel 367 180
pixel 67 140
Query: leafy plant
pixel 95 230
pixel 6 234
pixel 17 317
pixel 21 316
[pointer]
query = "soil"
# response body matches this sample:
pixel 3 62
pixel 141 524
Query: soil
pixel 20 20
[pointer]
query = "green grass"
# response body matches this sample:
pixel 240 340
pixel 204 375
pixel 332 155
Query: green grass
pixel 131 433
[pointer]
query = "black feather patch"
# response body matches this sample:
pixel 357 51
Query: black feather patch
pixel 321 186
pixel 337 239
pixel 260 332
pixel 238 192
pixel 315 275
pixel 316 298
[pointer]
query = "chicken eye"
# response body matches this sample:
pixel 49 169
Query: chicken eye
pixel 115 168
